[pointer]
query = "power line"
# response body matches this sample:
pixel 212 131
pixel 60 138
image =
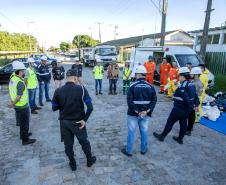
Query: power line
pixel 157 7
pixel 7 18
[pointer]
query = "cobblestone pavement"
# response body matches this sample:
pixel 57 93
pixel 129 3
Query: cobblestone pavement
pixel 200 161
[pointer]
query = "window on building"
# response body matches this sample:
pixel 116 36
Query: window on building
pixel 210 37
pixel 216 39
pixel 225 38
pixel 199 39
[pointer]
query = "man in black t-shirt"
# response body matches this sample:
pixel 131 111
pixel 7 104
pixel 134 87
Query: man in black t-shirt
pixel 69 100
pixel 78 68
pixel 58 73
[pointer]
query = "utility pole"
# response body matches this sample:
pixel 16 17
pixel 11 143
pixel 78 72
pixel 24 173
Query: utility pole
pixel 115 32
pixel 142 37
pixel 163 26
pixel 99 23
pixel 204 39
pixel 90 32
pixel 79 49
pixel 29 34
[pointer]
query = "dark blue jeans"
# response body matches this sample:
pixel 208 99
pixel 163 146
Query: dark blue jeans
pixel 32 96
pixel 43 86
pixel 98 82
pixel 112 85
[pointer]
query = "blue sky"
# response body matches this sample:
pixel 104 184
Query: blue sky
pixel 60 20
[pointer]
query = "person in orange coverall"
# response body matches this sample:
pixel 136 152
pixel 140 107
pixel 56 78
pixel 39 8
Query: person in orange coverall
pixel 150 67
pixel 173 79
pixel 164 74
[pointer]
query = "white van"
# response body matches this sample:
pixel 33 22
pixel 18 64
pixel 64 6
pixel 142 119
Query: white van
pixel 179 54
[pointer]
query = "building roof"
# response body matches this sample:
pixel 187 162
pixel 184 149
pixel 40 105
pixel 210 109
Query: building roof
pixel 210 29
pixel 137 39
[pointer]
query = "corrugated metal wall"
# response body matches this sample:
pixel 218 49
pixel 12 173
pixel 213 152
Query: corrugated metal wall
pixel 216 62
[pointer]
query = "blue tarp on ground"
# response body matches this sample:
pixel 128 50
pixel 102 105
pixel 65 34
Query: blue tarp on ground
pixel 219 125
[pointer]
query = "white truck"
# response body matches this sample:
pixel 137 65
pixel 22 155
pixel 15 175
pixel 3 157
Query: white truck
pixel 179 54
pixel 103 53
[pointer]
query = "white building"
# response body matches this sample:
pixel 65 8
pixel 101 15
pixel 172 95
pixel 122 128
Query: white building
pixel 172 38
pixel 216 39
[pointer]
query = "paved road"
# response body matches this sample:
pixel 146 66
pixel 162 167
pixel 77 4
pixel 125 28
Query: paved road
pixel 200 161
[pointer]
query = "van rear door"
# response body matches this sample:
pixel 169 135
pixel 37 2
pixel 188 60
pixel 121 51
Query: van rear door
pixel 158 55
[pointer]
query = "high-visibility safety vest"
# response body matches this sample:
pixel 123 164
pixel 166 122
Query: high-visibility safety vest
pixel 32 79
pixel 13 91
pixel 126 73
pixel 98 72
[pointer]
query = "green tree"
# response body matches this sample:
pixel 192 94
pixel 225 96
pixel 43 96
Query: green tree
pixel 82 41
pixel 64 46
pixel 53 49
pixel 17 42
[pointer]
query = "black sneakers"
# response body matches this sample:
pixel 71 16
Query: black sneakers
pixel 38 108
pixel 91 161
pixel 100 93
pixel 49 100
pixel 143 153
pixel 29 141
pixel 34 111
pixel 178 140
pixel 126 153
pixel 158 136
pixel 188 133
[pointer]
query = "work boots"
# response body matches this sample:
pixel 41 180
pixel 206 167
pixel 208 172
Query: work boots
pixel 160 137
pixel 178 140
pixel 29 141
pixel 34 111
pixel 72 164
pixel 91 161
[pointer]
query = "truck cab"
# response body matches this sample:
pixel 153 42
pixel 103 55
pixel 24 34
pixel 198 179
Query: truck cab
pixel 179 54
pixel 103 53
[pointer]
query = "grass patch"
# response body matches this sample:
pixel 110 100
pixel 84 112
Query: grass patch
pixel 220 85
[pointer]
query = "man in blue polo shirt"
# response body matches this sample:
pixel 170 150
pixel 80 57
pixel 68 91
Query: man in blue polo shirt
pixel 141 100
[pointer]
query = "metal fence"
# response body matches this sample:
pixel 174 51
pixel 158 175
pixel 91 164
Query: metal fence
pixel 216 62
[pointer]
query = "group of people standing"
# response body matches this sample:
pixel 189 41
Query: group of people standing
pixel 70 99
pixel 113 76
pixel 168 75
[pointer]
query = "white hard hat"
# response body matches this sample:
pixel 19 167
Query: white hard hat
pixel 184 70
pixel 58 60
pixel 98 60
pixel 141 70
pixel 127 61
pixel 17 65
pixel 30 60
pixel 196 71
pixel 44 58
pixel 114 59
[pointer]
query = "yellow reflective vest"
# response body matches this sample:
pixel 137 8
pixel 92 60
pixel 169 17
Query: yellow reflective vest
pixel 126 73
pixel 98 72
pixel 13 91
pixel 32 81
